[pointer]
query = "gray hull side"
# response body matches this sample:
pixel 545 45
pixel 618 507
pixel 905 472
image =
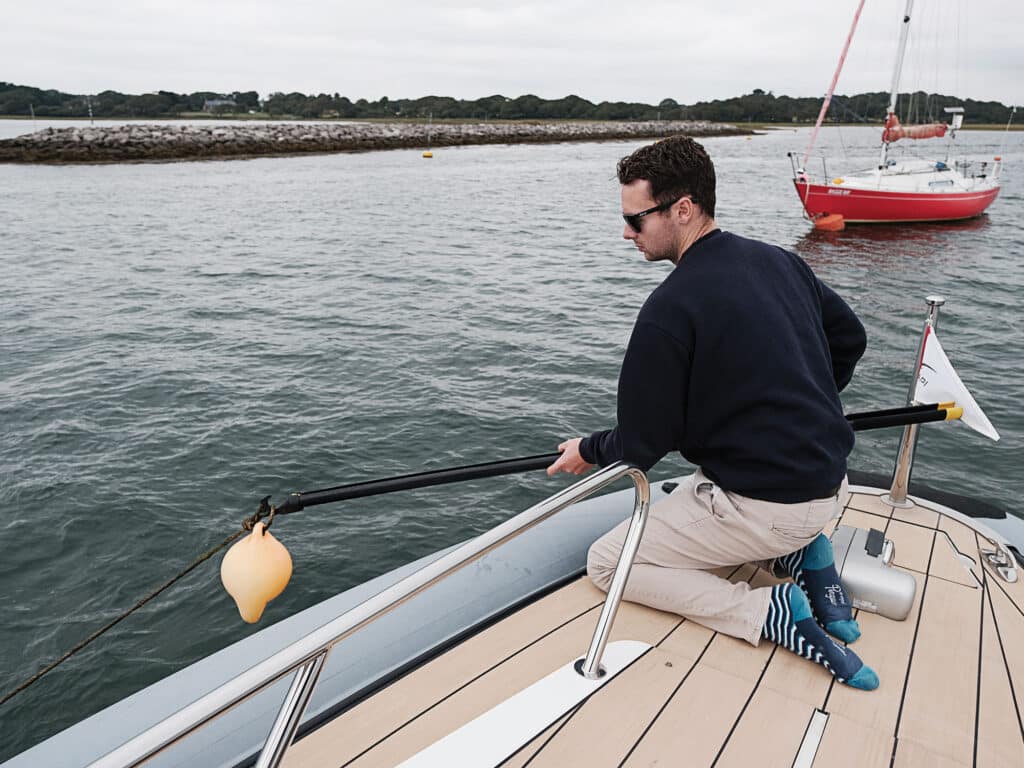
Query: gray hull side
pixel 528 565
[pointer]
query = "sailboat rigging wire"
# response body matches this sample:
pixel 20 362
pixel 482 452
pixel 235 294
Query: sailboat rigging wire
pixel 961 19
pixel 842 143
pixel 832 86
pixel 1002 142
pixel 841 103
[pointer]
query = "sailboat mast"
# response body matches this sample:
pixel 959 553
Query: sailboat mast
pixel 904 34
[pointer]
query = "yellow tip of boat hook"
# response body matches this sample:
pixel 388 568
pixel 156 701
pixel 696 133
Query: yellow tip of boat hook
pixel 954 413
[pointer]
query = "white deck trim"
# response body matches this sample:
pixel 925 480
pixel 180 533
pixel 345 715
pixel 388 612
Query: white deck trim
pixel 812 740
pixel 497 734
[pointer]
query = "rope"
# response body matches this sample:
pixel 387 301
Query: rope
pixel 246 526
pixel 267 511
pixel 832 86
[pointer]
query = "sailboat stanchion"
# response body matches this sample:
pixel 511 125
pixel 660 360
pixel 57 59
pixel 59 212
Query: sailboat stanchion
pixel 897 496
pixel 590 667
pixel 282 733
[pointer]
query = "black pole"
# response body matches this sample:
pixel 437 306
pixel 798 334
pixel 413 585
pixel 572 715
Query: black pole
pixel 297 501
pixel 891 417
pixel 897 419
pixel 893 411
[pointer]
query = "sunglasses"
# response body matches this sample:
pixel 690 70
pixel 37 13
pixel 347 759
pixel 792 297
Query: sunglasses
pixel 633 219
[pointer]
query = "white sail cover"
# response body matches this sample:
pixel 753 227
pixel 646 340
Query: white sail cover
pixel 937 382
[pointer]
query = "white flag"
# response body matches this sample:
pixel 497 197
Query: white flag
pixel 937 382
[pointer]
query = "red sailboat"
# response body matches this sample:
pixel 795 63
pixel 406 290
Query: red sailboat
pixel 897 190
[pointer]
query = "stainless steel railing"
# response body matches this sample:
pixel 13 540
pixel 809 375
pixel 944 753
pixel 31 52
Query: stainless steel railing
pixel 306 656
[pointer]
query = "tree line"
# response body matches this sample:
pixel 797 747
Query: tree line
pixel 757 107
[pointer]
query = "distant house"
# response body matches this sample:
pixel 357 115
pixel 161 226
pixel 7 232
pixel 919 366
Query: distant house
pixel 219 105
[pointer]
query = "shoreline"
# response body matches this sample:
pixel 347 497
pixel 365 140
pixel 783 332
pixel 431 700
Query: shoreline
pixel 153 142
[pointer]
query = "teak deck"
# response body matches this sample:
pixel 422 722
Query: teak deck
pixel 952 679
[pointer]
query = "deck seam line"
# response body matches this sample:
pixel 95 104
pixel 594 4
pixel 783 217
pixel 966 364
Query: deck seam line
pixel 565 722
pixel 910 660
pixel 680 685
pixel 804 737
pixel 938 578
pixel 977 695
pixel 467 684
pixel 890 518
pixel 1002 651
pixel 668 700
pixel 572 713
pixel 670 632
pixel 579 706
pixel 869 512
pixel 1008 596
pixel 746 704
pixel 807 728
pixel 941 515
pixel 919 525
pixel 832 683
pixel 577 709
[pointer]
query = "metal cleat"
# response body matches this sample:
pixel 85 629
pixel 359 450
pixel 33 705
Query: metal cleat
pixel 1001 560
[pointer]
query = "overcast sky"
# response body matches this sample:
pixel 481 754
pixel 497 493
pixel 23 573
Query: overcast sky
pixel 637 51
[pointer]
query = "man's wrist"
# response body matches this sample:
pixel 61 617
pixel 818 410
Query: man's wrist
pixel 585 449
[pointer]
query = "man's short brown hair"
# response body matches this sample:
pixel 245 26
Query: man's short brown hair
pixel 675 167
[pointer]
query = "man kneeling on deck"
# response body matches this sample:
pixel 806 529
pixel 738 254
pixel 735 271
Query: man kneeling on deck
pixel 736 360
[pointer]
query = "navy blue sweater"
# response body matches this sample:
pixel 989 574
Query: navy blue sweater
pixel 736 361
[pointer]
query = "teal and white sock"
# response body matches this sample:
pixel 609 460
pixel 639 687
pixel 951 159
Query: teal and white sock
pixel 814 569
pixel 791 625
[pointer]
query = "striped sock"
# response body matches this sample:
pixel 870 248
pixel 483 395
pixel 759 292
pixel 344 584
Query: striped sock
pixel 814 569
pixel 791 625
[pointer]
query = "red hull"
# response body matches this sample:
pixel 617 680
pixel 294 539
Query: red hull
pixel 874 206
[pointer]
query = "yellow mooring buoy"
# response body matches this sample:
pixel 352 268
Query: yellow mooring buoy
pixel 255 571
pixel 428 153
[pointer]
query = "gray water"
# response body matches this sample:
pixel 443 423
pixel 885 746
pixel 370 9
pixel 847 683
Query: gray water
pixel 181 339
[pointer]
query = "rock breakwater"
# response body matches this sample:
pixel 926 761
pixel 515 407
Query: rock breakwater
pixel 155 142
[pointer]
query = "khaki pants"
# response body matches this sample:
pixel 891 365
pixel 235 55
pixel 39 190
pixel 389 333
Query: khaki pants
pixel 699 527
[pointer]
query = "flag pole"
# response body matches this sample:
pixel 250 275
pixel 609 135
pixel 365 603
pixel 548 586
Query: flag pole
pixel 897 496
